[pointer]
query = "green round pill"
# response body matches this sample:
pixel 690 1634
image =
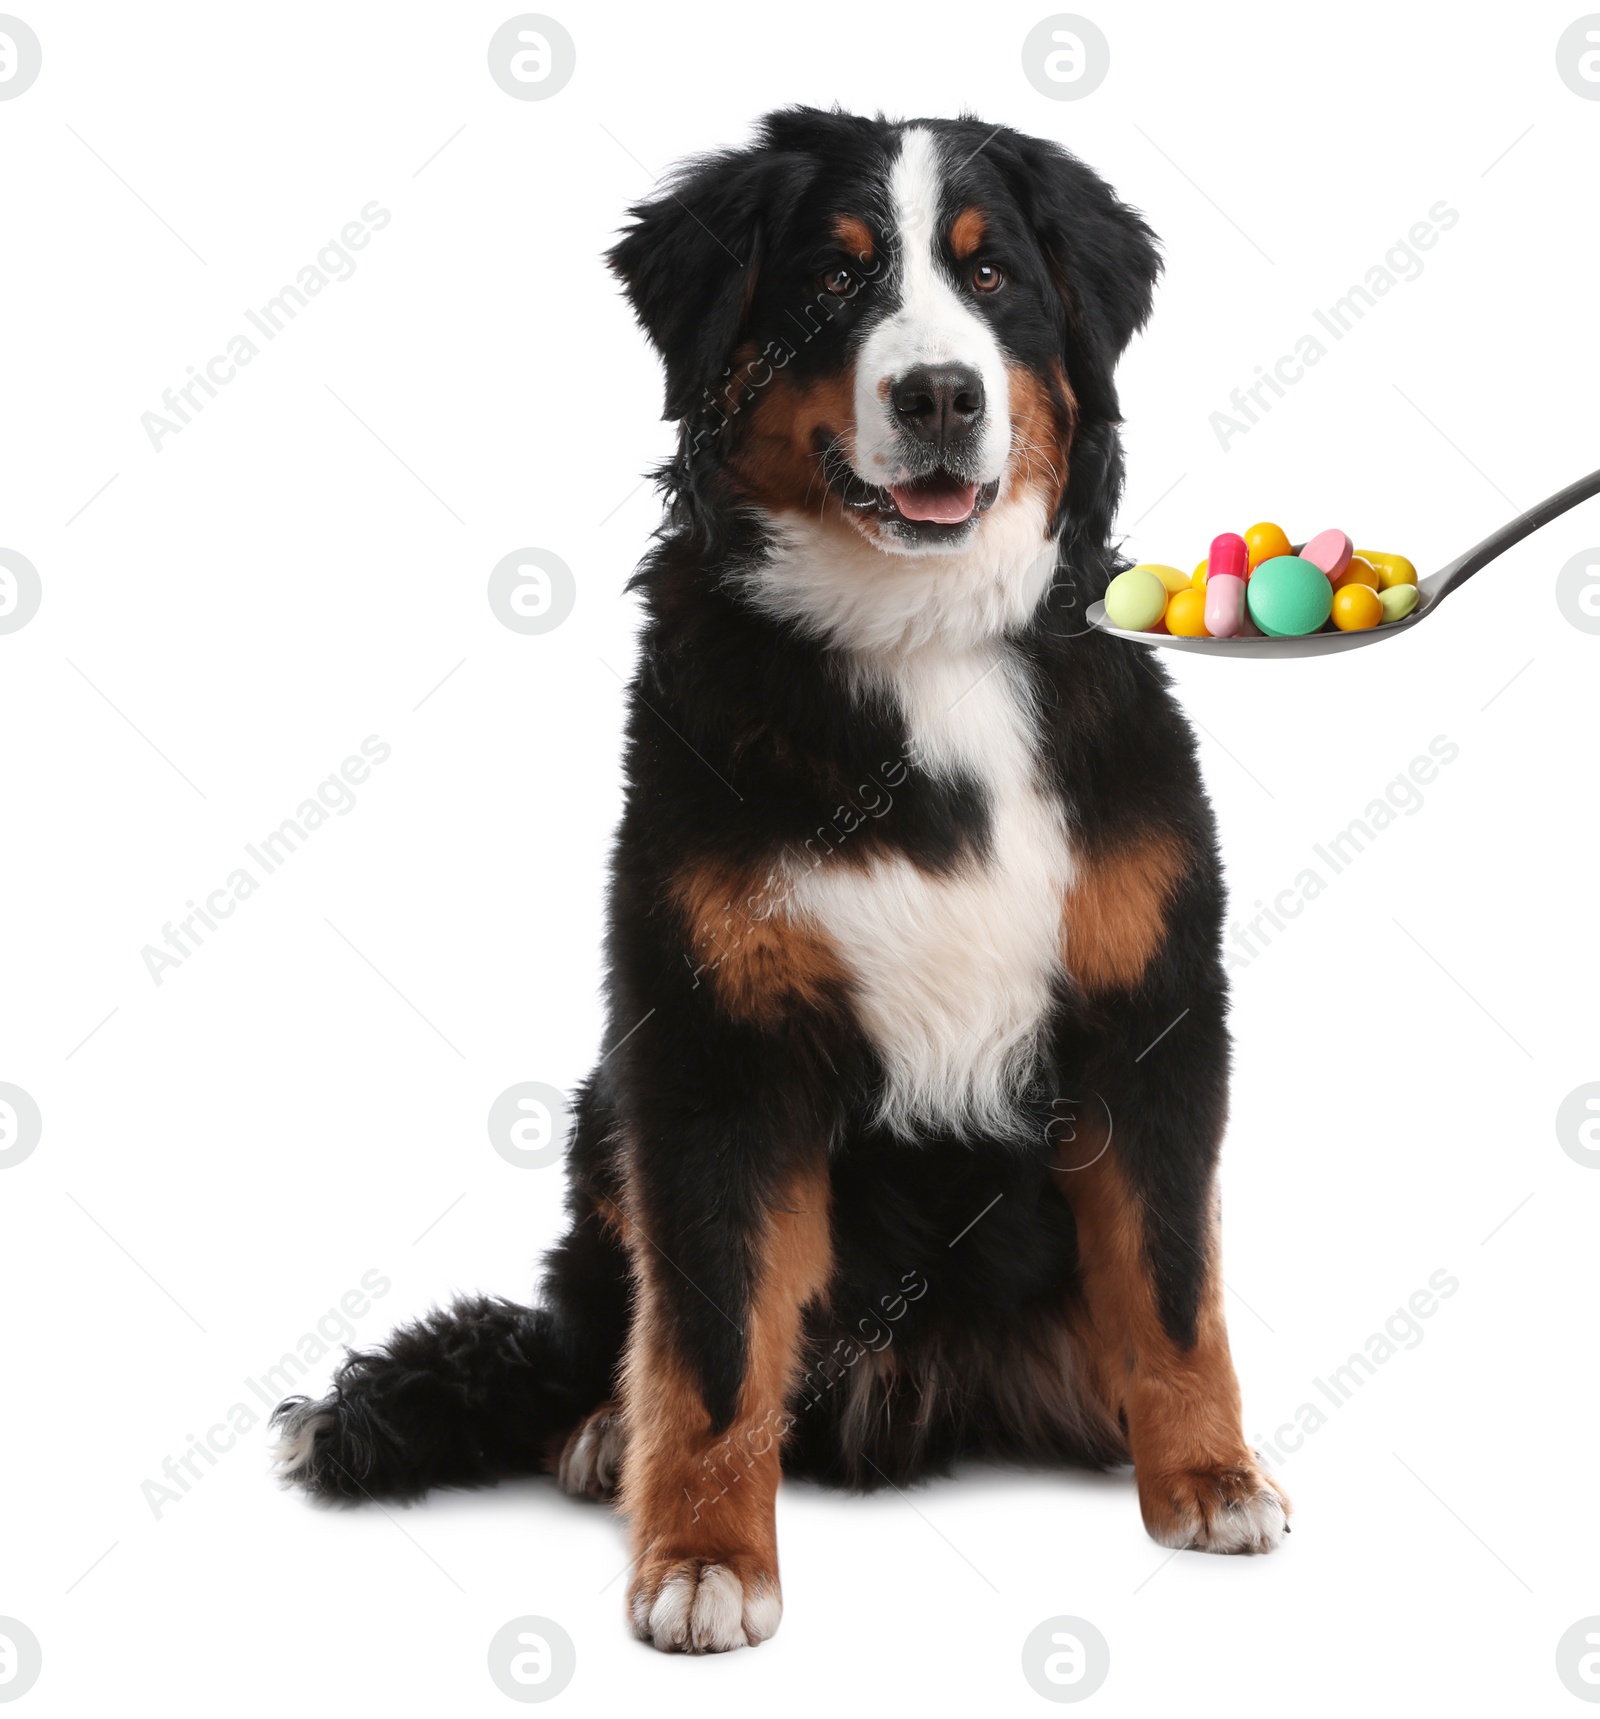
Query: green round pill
pixel 1136 600
pixel 1288 596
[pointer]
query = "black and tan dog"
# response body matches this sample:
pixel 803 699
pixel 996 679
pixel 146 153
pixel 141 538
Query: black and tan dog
pixel 903 1144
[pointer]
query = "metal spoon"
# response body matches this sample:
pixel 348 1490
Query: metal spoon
pixel 1434 590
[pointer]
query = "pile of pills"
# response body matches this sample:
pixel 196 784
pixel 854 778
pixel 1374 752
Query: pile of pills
pixel 1260 584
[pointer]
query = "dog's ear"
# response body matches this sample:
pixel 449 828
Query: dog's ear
pixel 689 264
pixel 1102 256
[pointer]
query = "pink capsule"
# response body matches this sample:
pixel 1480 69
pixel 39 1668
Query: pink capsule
pixel 1329 550
pixel 1225 611
pixel 1229 556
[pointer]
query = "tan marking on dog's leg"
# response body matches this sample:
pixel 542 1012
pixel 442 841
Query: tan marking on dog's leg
pixel 701 1504
pixel 1200 1484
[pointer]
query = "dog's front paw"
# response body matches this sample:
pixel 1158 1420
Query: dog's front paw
pixel 1231 1507
pixel 704 1605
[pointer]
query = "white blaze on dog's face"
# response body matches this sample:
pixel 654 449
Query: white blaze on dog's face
pixel 932 395
pixel 906 434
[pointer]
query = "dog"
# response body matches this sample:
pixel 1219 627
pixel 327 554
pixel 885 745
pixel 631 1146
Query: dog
pixel 902 1145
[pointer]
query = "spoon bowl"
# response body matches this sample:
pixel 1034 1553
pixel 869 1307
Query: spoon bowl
pixel 1433 591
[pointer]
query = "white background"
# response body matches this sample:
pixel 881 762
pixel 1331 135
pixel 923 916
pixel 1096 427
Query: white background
pixel 229 1152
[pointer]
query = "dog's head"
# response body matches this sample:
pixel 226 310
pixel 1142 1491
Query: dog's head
pixel 906 332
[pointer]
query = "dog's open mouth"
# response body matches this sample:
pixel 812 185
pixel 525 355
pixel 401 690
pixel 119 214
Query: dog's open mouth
pixel 938 500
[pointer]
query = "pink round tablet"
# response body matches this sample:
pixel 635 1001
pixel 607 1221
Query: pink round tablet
pixel 1329 550
pixel 1225 611
pixel 1229 555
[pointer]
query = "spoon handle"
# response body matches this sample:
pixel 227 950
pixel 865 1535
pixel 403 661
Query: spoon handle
pixel 1442 583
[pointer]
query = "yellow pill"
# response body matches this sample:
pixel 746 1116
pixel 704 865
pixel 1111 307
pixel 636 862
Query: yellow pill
pixel 1398 601
pixel 1359 572
pixel 1186 614
pixel 1172 577
pixel 1356 608
pixel 1199 579
pixel 1391 569
pixel 1264 541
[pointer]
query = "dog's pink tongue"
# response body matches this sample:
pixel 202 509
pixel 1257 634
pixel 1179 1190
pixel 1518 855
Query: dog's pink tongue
pixel 947 503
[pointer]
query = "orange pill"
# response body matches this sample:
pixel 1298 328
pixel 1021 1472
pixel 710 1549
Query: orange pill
pixel 1199 578
pixel 1186 614
pixel 1264 541
pixel 1355 608
pixel 1359 572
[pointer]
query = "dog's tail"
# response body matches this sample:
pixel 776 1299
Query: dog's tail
pixel 484 1390
pixel 464 1397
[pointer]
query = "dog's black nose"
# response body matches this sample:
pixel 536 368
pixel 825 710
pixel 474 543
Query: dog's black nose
pixel 939 403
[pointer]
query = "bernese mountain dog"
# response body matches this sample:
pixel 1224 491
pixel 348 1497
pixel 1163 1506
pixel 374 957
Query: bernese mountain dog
pixel 902 1145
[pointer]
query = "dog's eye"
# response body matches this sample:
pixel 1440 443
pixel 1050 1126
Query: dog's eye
pixel 987 278
pixel 839 281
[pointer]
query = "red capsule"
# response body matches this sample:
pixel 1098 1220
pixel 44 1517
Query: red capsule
pixel 1229 555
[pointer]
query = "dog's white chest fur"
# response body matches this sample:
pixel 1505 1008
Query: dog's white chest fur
pixel 954 974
